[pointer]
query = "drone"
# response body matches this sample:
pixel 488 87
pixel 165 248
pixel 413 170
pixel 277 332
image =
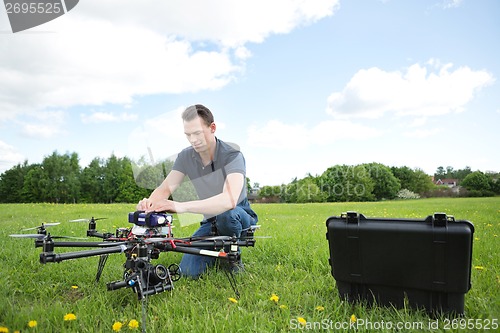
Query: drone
pixel 149 236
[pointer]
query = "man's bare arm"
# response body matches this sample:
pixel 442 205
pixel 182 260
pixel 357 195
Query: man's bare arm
pixel 162 192
pixel 215 205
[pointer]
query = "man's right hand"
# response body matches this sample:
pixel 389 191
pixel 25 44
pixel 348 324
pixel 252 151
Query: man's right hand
pixel 145 204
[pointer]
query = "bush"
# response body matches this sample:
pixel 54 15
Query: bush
pixel 407 194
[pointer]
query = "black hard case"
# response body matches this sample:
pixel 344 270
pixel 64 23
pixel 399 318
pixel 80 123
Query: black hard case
pixel 386 260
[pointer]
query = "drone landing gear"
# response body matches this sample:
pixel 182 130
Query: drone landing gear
pixel 100 266
pixel 232 282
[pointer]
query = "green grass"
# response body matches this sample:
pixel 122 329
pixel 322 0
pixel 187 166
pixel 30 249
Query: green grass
pixel 293 264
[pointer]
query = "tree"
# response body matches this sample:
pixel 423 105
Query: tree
pixel 462 173
pixel 386 185
pixel 309 191
pixel 128 190
pixel 92 184
pixel 35 185
pixel 61 178
pixel 477 182
pixel 273 193
pixel 347 183
pixel 414 180
pixel 422 182
pixel 440 173
pixel 12 183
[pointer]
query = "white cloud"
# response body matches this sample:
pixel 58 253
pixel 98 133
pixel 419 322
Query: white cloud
pixel 112 51
pixel 156 138
pixel 225 22
pixel 451 3
pixel 278 135
pixel 45 125
pixel 8 156
pixel 100 117
pixel 422 133
pixel 417 122
pixel 429 90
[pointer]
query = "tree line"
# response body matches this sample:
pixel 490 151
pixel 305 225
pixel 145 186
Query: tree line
pixel 60 179
pixel 375 181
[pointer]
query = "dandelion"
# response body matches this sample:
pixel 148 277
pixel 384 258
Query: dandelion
pixel 133 324
pixel 69 317
pixel 302 321
pixel 4 329
pixel 320 308
pixel 32 323
pixel 234 300
pixel 479 268
pixel 74 287
pixel 117 326
pixel 353 318
pixel 283 307
pixel 275 298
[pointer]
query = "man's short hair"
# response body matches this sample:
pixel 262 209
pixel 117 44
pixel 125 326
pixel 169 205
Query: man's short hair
pixel 198 110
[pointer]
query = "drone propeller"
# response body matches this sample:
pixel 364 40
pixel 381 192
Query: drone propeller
pixel 42 226
pixel 255 237
pixel 28 235
pixel 218 238
pixel 40 236
pixel 252 228
pixel 88 220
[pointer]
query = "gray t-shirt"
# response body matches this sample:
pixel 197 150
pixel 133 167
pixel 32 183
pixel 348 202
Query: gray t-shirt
pixel 209 180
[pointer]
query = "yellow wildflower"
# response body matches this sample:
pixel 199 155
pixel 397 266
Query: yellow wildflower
pixel 479 268
pixel 320 308
pixel 4 329
pixel 275 298
pixel 353 318
pixel 234 300
pixel 283 306
pixel 74 287
pixel 117 326
pixel 69 317
pixel 32 323
pixel 133 324
pixel 302 321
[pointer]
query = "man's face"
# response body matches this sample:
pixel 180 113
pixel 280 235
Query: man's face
pixel 199 134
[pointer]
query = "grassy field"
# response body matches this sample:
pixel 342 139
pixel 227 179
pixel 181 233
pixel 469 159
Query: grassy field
pixel 292 265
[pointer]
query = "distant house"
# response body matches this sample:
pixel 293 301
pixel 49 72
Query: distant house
pixel 253 194
pixel 451 183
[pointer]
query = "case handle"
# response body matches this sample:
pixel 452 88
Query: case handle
pixel 441 219
pixel 352 217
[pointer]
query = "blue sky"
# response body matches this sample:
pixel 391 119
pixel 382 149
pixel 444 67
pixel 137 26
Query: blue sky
pixel 299 85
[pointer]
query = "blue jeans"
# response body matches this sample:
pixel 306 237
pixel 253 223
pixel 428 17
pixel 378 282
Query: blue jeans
pixel 230 223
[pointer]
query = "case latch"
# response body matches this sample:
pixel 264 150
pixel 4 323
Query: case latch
pixel 440 219
pixel 351 217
